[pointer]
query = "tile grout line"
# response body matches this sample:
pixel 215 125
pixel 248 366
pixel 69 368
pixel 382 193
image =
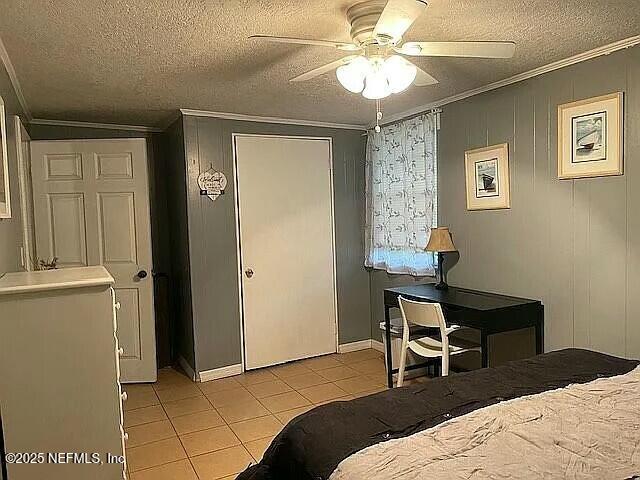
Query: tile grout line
pixel 243 386
pixel 326 380
pixel 193 467
pixel 225 424
pixel 228 425
pixel 177 436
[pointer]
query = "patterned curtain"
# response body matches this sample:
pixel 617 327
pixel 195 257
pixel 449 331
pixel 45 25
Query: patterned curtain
pixel 401 196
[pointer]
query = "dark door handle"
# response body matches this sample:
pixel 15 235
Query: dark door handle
pixel 141 274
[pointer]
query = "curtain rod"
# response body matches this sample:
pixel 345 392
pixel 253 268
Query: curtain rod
pixel 431 110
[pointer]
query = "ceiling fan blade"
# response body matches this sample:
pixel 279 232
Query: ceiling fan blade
pixel 423 79
pixel 459 49
pixel 308 41
pixel 323 69
pixel 397 17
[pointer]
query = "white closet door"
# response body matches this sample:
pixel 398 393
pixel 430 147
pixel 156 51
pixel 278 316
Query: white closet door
pixel 91 205
pixel 286 248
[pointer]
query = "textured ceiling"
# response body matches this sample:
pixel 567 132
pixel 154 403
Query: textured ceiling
pixel 138 61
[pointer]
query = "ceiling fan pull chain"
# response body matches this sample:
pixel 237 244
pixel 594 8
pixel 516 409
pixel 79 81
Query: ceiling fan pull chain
pixel 378 116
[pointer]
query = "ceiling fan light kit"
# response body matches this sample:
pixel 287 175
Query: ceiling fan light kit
pixel 377 77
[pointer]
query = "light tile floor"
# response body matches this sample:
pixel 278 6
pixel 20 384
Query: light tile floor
pixel 181 430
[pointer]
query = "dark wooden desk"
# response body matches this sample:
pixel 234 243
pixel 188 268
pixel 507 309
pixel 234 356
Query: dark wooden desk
pixel 487 312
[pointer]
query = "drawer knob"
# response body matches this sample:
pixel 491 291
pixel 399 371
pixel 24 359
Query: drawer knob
pixel 117 305
pixel 120 351
pixel 124 396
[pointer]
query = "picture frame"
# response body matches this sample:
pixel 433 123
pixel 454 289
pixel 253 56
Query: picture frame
pixel 487 177
pixel 591 137
pixel 5 194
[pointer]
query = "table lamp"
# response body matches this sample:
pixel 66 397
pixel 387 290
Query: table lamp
pixel 440 242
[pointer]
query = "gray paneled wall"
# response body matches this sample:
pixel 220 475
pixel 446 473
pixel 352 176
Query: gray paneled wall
pixel 176 181
pixel 379 281
pixel 212 236
pixel 10 229
pixel 575 244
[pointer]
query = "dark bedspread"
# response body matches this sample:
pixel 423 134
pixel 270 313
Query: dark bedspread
pixel 312 445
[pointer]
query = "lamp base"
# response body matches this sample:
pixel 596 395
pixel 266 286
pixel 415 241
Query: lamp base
pixel 441 285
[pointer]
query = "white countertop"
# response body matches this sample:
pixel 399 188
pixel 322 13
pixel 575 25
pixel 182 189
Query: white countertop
pixel 23 282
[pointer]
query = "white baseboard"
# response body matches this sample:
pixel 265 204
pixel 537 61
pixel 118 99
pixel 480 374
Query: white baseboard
pixel 354 346
pixel 222 372
pixel 187 368
pixel 376 345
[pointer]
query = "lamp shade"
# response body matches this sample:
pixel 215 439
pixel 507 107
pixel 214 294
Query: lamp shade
pixel 440 240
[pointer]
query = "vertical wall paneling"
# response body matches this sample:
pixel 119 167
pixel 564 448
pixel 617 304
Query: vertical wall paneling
pixel 572 243
pixel 176 178
pixel 607 229
pixel 212 236
pixel 632 172
pixel 379 281
pixel 558 227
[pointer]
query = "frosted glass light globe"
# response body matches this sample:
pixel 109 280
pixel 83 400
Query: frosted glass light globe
pixel 377 86
pixel 399 72
pixel 376 82
pixel 351 76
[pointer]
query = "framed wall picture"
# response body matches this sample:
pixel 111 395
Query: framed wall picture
pixel 487 177
pixel 590 137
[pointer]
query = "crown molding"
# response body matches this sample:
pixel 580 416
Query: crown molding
pixel 256 118
pixel 581 57
pixel 13 78
pixel 105 126
pixel 170 120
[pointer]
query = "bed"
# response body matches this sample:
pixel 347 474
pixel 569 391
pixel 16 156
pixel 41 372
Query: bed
pixel 474 423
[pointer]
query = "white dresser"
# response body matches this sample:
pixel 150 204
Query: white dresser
pixel 60 393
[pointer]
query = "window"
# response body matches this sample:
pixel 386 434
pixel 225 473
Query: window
pixel 401 175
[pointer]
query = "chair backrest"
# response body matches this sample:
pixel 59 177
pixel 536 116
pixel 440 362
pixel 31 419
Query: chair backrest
pixel 423 314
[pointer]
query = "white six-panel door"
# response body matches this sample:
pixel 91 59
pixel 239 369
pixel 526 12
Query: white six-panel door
pixel 91 205
pixel 284 195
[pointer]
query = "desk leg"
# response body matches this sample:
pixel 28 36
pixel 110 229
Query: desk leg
pixel 539 337
pixel 484 346
pixel 387 333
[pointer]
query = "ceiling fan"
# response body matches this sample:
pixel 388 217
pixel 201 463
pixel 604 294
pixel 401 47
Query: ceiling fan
pixel 376 66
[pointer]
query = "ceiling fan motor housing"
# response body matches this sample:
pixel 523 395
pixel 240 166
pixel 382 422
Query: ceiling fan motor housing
pixel 363 17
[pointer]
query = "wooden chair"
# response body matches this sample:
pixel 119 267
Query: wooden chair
pixel 428 315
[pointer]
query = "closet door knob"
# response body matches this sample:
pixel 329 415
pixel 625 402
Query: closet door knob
pixel 141 274
pixel 117 305
pixel 248 272
pixel 124 396
pixel 120 351
pixel 125 435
